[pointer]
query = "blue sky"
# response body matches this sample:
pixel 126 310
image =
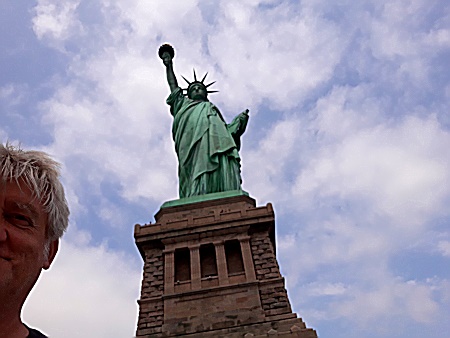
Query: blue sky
pixel 349 138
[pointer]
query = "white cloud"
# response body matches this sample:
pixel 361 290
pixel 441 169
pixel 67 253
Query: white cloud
pixel 444 248
pixel 56 20
pixel 270 158
pixel 6 91
pixel 327 289
pixel 281 62
pixel 380 298
pixel 400 168
pixel 90 291
pixel 366 190
pixel 12 94
pixel 399 299
pixel 117 141
pixel 149 18
pixel 398 36
pixel 439 38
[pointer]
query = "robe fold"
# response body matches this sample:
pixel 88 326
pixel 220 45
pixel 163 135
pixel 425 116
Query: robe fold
pixel 207 148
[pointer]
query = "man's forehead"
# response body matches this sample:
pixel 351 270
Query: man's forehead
pixel 17 192
pixel 19 197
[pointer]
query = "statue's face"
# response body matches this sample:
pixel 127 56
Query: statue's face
pixel 197 92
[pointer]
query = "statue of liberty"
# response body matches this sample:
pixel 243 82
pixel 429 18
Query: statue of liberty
pixel 206 146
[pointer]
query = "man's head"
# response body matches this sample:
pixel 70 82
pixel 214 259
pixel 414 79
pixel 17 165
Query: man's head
pixel 33 216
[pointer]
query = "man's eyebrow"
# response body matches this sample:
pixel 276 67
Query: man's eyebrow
pixel 26 206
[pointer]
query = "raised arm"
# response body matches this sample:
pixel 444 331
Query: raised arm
pixel 171 79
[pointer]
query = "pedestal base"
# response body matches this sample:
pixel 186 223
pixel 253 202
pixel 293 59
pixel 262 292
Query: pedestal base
pixel 210 270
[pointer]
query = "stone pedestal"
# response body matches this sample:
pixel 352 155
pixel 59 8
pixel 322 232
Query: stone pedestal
pixel 210 271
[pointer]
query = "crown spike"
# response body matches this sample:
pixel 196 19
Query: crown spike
pixel 185 80
pixel 210 84
pixel 212 91
pixel 204 77
pixel 195 76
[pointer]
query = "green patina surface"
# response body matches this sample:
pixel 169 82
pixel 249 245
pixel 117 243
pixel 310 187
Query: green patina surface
pixel 201 198
pixel 207 147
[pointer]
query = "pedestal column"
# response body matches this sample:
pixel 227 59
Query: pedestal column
pixel 247 258
pixel 221 263
pixel 196 281
pixel 169 271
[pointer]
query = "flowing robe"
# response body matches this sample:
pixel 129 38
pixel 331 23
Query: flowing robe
pixel 207 148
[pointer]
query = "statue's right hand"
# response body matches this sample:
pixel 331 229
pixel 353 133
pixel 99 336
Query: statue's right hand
pixel 167 59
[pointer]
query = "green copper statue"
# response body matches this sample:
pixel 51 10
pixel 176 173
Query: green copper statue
pixel 207 147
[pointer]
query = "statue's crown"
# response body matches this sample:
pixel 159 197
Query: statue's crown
pixel 201 82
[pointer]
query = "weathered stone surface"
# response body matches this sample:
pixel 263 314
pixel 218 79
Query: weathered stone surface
pixel 252 303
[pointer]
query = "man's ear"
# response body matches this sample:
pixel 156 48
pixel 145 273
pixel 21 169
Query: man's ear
pixel 53 249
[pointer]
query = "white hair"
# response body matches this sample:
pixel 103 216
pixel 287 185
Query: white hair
pixel 41 175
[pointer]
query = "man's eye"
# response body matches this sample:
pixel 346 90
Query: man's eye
pixel 19 220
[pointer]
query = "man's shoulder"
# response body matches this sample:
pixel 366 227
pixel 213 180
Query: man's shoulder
pixel 33 333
